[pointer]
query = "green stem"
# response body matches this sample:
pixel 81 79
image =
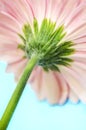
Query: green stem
pixel 17 93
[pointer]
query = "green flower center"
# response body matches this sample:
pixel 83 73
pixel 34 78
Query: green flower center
pixel 47 41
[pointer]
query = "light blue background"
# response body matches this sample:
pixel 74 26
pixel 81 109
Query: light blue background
pixel 31 114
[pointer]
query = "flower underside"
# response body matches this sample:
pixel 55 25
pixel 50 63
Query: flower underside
pixel 47 41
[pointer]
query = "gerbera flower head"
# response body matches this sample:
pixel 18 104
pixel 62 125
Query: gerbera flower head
pixel 55 30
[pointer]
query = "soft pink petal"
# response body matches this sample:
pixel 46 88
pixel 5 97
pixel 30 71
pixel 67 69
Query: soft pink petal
pixel 53 91
pixel 65 7
pixel 77 32
pixel 80 39
pixel 79 56
pixel 73 97
pixel 11 55
pixel 25 10
pixel 37 83
pixel 38 8
pixel 19 12
pixel 79 65
pixel 77 14
pixel 80 71
pixel 46 86
pixel 1 6
pixel 8 33
pixel 19 66
pixel 63 86
pixel 76 83
pixel 10 22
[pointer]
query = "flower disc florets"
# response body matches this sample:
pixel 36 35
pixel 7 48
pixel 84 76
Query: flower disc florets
pixel 47 41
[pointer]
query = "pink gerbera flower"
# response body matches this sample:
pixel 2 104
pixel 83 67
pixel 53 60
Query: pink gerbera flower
pixel 50 35
pixel 56 29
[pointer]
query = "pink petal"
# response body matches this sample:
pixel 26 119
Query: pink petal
pixel 18 12
pixel 8 45
pixel 2 6
pixel 75 83
pixel 11 55
pixel 77 14
pixel 80 70
pixel 46 86
pixel 79 56
pixel 77 32
pixel 80 65
pixel 53 91
pixel 63 86
pixel 80 38
pixel 8 33
pixel 38 84
pixel 73 97
pixel 17 68
pixel 64 9
pixel 10 22
pixel 38 9
pixel 81 47
pixel 25 10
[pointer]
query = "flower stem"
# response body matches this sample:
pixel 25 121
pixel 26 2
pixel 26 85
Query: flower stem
pixel 17 93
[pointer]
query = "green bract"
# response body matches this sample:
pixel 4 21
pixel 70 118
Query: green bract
pixel 47 42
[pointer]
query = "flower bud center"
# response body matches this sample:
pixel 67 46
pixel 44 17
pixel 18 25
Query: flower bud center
pixel 48 42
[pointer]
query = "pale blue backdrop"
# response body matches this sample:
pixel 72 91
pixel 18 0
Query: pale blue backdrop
pixel 34 115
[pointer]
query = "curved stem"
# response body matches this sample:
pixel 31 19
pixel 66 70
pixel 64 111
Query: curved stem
pixel 17 93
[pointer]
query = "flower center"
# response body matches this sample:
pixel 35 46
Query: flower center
pixel 47 41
